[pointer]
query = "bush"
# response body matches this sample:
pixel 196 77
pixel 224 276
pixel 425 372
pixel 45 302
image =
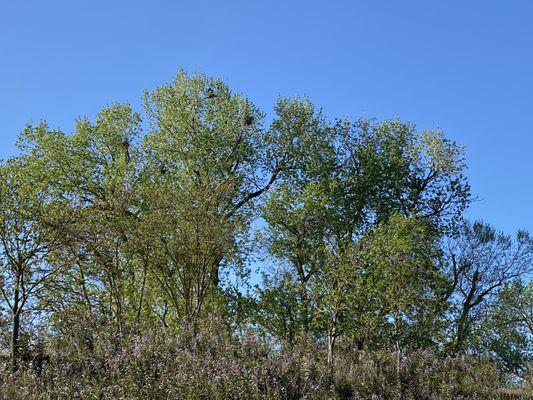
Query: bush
pixel 214 365
pixel 418 375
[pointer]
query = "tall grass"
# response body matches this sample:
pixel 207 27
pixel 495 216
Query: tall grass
pixel 213 365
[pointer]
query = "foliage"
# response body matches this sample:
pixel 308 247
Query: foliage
pixel 125 247
pixel 214 366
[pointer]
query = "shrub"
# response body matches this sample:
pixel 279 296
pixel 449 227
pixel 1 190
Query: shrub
pixel 215 365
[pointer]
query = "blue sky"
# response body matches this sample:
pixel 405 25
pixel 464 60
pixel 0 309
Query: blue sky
pixel 463 66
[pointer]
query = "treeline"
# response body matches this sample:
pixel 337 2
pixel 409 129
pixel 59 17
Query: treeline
pixel 132 229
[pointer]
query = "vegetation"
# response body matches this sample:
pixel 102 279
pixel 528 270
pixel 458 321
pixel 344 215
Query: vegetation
pixel 127 250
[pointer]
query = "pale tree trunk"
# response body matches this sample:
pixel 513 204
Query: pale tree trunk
pixel 16 328
pixel 332 335
pixel 398 355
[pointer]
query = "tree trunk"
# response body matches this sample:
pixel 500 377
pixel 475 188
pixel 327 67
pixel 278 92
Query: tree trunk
pixel 332 334
pixel 398 355
pixel 463 321
pixel 15 330
pixel 304 307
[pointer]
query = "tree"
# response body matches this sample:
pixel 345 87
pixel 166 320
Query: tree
pixel 26 242
pixel 92 172
pixel 351 178
pixel 506 331
pixel 481 261
pixel 276 310
pixel 404 280
pixel 208 158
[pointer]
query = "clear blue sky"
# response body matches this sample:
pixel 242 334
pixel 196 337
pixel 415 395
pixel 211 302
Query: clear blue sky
pixel 463 66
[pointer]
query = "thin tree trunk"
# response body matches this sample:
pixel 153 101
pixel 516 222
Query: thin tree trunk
pixel 304 306
pixel 138 318
pixel 398 355
pixel 16 330
pixel 331 346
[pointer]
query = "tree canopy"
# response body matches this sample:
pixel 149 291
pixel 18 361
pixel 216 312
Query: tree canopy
pixel 137 222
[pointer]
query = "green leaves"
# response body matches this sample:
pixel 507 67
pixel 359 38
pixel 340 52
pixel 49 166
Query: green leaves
pixel 128 224
pixel 356 192
pixel 401 258
pixel 507 330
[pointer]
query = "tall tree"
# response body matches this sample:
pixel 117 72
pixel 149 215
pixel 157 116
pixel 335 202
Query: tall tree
pixel 352 177
pixel 506 331
pixel 480 262
pixel 208 158
pixel 26 242
pixel 93 172
pixel 404 280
